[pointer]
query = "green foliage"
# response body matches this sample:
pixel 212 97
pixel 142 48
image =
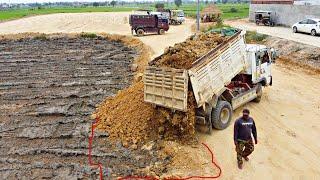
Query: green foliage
pixel 113 3
pixel 233 10
pixel 88 35
pixel 219 23
pixel 178 2
pixel 42 37
pixel 95 4
pixel 254 37
pixel 189 9
pixel 19 13
pixel 242 10
pixel 159 5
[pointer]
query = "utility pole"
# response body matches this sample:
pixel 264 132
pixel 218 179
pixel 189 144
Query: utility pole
pixel 198 16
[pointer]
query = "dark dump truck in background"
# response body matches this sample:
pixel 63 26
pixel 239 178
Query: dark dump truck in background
pixel 141 24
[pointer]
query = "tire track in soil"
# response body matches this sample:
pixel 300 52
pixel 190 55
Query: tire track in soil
pixel 48 90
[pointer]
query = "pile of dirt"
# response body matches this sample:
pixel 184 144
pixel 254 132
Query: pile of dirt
pixel 128 118
pixel 182 55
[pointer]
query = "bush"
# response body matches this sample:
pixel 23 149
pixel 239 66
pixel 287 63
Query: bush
pixel 159 6
pixel 41 37
pixel 233 10
pixel 254 37
pixel 88 35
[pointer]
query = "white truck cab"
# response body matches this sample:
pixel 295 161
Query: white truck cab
pixel 259 59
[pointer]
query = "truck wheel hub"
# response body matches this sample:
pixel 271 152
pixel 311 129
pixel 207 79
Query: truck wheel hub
pixel 224 115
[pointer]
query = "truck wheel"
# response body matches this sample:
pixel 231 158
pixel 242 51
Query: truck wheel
pixel 161 31
pixel 295 30
pixel 313 32
pixel 221 115
pixel 259 93
pixel 140 32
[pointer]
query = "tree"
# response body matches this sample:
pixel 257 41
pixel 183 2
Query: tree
pixel 206 2
pixel 95 4
pixel 113 3
pixel 178 2
pixel 159 5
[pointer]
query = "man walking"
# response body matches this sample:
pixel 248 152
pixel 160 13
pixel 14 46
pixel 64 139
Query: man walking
pixel 243 128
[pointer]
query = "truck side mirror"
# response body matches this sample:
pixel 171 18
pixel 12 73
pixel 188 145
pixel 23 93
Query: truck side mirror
pixel 274 55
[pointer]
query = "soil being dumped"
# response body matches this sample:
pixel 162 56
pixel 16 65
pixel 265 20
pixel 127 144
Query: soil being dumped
pixel 182 55
pixel 128 118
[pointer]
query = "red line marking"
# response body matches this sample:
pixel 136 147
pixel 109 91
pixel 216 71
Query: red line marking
pixel 91 163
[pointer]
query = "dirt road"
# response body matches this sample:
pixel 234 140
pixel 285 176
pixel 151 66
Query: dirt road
pixel 281 32
pixel 288 125
pixel 113 23
pixel 287 117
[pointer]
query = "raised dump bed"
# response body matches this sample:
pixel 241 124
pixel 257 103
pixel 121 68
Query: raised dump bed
pixel 221 80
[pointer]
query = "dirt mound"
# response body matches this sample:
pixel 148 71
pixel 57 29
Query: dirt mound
pixel 128 118
pixel 182 55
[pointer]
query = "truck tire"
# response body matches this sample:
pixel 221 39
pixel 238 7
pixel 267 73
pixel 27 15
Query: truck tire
pixel 295 29
pixel 161 31
pixel 209 118
pixel 221 115
pixel 140 32
pixel 313 32
pixel 259 93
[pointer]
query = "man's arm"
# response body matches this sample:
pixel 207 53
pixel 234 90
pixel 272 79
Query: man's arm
pixel 235 132
pixel 254 132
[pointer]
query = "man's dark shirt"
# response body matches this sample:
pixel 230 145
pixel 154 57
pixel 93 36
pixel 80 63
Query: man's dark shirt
pixel 244 128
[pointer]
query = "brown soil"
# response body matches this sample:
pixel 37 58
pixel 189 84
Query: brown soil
pixel 128 118
pixel 182 55
pixel 49 86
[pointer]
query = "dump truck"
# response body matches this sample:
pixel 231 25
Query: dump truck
pixel 225 78
pixel 141 24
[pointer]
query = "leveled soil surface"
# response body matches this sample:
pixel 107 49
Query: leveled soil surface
pixel 49 87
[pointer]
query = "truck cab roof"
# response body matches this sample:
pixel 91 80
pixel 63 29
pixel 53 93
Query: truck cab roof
pixel 255 47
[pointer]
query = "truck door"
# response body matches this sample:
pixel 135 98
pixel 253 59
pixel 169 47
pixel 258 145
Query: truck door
pixel 263 65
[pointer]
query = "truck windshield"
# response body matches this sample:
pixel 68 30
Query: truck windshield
pixel 163 20
pixel 180 14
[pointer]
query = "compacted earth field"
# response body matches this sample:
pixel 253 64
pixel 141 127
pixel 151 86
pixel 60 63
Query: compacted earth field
pixel 49 86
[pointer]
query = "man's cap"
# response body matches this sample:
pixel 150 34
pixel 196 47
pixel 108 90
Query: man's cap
pixel 246 111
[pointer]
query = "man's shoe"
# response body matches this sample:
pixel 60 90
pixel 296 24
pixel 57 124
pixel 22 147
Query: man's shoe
pixel 246 158
pixel 239 165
